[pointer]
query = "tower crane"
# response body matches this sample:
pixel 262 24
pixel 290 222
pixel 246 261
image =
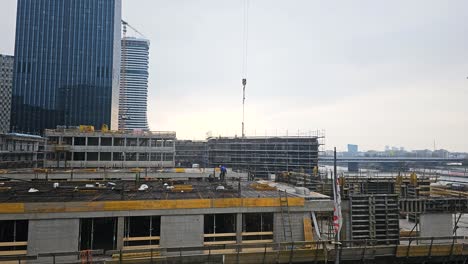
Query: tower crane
pixel 125 24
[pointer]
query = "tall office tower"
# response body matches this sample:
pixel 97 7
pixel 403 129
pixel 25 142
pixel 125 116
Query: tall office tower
pixel 134 84
pixel 67 64
pixel 6 81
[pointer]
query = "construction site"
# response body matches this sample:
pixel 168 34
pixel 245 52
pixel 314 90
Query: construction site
pixel 193 216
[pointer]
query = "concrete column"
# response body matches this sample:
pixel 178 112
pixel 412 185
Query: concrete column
pixel 53 235
pixel 239 228
pixel 436 225
pixel 182 231
pixel 297 227
pixel 120 232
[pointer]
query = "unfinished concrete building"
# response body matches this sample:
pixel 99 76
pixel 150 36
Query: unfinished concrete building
pixel 42 217
pixel 262 156
pixel 86 148
pixel 189 153
pixel 205 220
pixel 21 150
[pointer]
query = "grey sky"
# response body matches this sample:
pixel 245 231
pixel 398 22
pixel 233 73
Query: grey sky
pixel 373 73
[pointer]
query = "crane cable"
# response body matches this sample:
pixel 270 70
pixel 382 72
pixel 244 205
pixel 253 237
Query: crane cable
pixel 245 39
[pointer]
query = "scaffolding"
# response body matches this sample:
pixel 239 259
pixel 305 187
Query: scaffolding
pixel 262 156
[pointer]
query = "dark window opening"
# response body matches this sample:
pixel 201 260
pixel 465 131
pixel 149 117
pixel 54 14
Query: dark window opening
pixel 80 141
pixel 106 141
pixel 143 142
pixel 67 140
pixel 130 156
pixel 142 230
pixel 131 142
pixel 53 140
pixel 98 233
pixel 80 156
pixel 257 222
pixel 92 156
pixel 142 156
pixel 93 141
pixel 13 231
pixel 155 156
pixel 118 156
pixel 119 141
pixel 105 156
pixel 220 223
pixel 168 156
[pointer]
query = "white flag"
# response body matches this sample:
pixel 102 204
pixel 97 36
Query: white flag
pixel 337 218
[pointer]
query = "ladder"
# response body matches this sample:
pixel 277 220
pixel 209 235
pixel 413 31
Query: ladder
pixel 285 216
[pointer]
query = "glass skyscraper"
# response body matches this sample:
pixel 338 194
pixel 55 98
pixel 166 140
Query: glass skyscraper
pixel 67 64
pixel 134 84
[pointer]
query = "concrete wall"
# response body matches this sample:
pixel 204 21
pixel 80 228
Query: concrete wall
pixel 57 235
pixel 297 227
pixel 436 225
pixel 182 231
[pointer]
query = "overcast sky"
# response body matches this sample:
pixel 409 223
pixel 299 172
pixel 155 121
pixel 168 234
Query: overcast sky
pixel 372 73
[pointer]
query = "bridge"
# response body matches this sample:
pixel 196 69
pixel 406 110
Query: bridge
pixel 387 159
pixel 353 162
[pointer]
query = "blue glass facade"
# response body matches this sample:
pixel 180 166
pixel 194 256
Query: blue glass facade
pixel 67 64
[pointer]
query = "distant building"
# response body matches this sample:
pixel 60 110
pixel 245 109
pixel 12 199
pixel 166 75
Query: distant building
pixel 67 64
pixel 6 83
pixel 352 149
pixel 134 84
pixel 21 150
pixel 78 148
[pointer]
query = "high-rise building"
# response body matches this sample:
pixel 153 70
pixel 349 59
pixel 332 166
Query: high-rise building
pixel 134 84
pixel 67 64
pixel 352 149
pixel 6 81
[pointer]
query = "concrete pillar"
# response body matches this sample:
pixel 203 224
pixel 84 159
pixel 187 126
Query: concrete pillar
pixel 120 232
pixel 239 228
pixel 182 231
pixel 54 235
pixel 297 227
pixel 436 225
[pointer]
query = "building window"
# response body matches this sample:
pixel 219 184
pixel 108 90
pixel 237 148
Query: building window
pixel 105 156
pixel 219 229
pixel 80 141
pixel 130 156
pixel 93 141
pixel 257 226
pixel 119 142
pixel 92 156
pixel 13 236
pixel 142 231
pixel 143 156
pixel 118 156
pixel 155 157
pixel 106 141
pixel 98 233
pixel 131 142
pixel 79 156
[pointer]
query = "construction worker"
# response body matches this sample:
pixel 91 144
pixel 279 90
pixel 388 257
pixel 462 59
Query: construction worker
pixel 222 173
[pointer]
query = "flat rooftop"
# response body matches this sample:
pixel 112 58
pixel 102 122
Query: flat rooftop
pixel 40 191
